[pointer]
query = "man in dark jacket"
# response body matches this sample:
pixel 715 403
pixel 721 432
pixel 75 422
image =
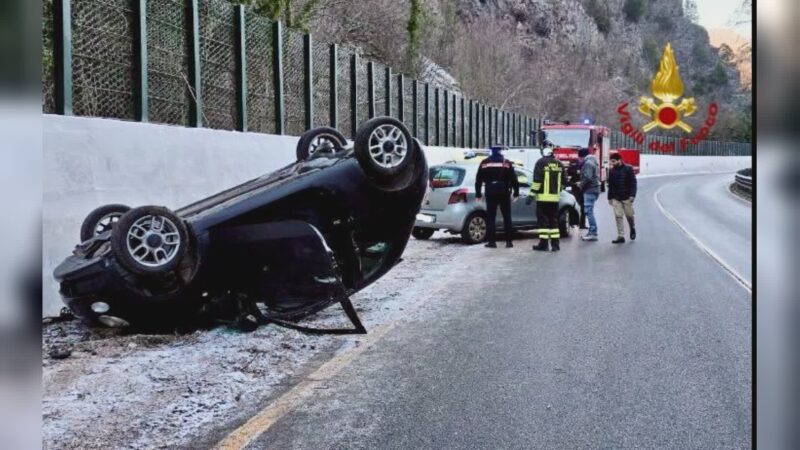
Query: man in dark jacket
pixel 500 179
pixel 621 193
pixel 590 186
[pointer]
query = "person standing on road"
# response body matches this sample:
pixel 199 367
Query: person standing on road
pixel 590 186
pixel 573 174
pixel 621 193
pixel 500 179
pixel 548 179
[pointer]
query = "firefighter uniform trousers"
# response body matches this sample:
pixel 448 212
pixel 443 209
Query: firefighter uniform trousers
pixel 547 216
pixel 492 202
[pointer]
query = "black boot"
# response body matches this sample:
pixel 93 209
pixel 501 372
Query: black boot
pixel 490 245
pixel 509 244
pixel 542 246
pixel 555 245
pixel 633 229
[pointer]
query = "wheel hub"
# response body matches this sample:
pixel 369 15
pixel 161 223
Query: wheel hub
pixel 153 240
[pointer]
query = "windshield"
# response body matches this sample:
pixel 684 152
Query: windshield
pixel 445 176
pixel 568 137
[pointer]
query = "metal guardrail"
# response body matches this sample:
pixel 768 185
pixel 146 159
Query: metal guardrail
pixel 744 180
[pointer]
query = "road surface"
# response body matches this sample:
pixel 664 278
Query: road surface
pixel 642 345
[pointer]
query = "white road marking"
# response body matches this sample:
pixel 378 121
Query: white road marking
pixel 731 271
pixel 243 436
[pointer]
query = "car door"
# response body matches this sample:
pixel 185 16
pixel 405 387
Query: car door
pixel 522 214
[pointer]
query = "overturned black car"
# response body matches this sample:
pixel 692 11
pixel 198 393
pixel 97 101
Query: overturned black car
pixel 272 250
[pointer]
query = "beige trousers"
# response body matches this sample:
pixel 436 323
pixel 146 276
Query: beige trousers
pixel 622 208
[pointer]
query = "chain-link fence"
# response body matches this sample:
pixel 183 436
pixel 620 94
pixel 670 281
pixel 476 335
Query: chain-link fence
pixel 120 46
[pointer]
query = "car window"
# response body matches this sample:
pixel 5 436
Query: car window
pixel 443 176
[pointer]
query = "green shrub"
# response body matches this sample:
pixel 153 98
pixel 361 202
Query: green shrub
pixel 634 9
pixel 599 12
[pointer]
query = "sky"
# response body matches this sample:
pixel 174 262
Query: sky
pixel 721 14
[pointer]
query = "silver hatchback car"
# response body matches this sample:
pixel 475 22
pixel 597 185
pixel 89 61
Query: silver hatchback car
pixel 450 204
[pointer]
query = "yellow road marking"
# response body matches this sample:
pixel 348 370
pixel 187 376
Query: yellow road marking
pixel 261 422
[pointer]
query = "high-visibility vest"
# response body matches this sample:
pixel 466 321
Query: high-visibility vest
pixel 547 180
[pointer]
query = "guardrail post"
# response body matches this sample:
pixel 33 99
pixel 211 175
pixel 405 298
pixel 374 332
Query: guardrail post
pixel 463 125
pixel 400 98
pixel 62 36
pixel 277 74
pixel 436 119
pixel 353 95
pixel 455 135
pixel 371 89
pixel 195 80
pixel 496 127
pixel 491 136
pixel 387 84
pixel 334 92
pixel 140 55
pixel 308 91
pixel 415 107
pixel 241 70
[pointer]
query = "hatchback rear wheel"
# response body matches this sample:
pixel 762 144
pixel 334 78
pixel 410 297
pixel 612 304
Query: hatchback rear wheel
pixel 474 231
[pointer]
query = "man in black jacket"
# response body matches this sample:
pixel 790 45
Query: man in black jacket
pixel 500 178
pixel 621 193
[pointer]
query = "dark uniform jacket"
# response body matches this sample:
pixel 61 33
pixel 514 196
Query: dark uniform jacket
pixel 548 179
pixel 621 183
pixel 498 175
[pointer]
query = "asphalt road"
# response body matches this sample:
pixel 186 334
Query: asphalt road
pixel 643 345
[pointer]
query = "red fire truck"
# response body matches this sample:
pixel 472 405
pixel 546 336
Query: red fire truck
pixel 568 138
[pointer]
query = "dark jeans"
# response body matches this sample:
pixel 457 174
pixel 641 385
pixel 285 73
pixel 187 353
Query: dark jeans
pixel 547 218
pixel 492 202
pixel 579 197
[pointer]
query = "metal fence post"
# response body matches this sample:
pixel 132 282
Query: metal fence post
pixel 455 134
pixel 463 125
pixel 415 108
pixel 387 84
pixel 471 125
pixel 353 95
pixel 436 118
pixel 195 80
pixel 277 73
pixel 140 55
pixel 308 91
pixel 400 98
pixel 62 36
pixel 492 138
pixel 241 70
pixel 427 114
pixel 334 92
pixel 446 119
pixel 370 89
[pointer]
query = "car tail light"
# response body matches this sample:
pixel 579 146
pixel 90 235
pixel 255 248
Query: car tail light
pixel 458 196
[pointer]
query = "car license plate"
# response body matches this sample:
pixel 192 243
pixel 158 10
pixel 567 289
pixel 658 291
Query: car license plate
pixel 427 218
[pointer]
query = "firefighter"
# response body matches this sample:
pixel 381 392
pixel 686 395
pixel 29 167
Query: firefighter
pixel 548 179
pixel 500 179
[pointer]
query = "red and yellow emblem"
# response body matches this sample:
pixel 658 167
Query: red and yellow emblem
pixel 667 87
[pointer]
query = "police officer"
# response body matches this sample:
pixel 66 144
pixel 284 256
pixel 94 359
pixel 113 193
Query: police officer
pixel 548 179
pixel 500 179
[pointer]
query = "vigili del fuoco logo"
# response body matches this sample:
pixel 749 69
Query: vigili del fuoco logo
pixel 667 112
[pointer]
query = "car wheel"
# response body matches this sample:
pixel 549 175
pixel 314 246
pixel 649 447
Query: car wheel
pixel 321 140
pixel 101 220
pixel 384 149
pixel 422 233
pixel 564 226
pixel 474 231
pixel 150 240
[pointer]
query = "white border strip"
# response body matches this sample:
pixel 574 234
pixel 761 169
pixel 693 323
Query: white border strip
pixel 731 271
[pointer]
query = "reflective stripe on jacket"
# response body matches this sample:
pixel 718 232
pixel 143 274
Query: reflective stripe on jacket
pixel 547 179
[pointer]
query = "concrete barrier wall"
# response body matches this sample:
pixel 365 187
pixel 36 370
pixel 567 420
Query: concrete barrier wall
pixel 91 162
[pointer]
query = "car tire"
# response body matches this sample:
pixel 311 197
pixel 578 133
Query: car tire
pixel 422 234
pixel 385 151
pixel 311 139
pixel 150 240
pixel 564 225
pixel 474 231
pixel 101 220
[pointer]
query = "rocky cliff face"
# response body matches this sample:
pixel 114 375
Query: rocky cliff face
pixel 599 53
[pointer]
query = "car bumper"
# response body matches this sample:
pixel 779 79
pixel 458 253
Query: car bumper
pixel 451 218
